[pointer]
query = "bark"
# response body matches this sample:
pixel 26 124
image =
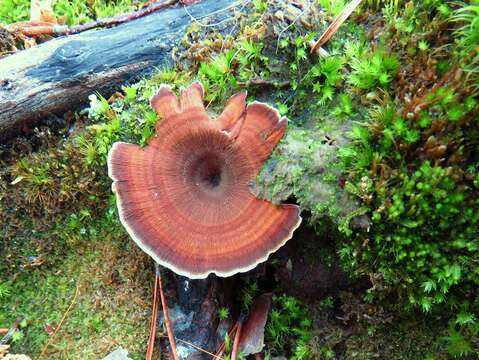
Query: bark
pixel 193 310
pixel 60 74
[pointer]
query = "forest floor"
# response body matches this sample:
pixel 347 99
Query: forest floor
pixel 378 270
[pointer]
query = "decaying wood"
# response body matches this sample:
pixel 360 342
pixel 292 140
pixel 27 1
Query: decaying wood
pixel 194 314
pixel 60 74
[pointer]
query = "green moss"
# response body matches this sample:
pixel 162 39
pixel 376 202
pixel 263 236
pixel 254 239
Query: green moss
pixel 406 339
pixel 382 129
pixel 289 328
pixel 100 274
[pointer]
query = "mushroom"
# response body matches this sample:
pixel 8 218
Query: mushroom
pixel 185 197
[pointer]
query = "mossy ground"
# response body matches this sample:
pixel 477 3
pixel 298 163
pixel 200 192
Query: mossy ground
pixel 96 278
pixel 380 154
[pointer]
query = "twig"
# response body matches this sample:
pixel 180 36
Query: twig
pixel 44 28
pixel 197 348
pixel 61 321
pixel 337 22
pixel 115 20
pixel 234 352
pixel 257 356
pixel 221 349
pixel 154 317
pixel 164 305
pixel 38 28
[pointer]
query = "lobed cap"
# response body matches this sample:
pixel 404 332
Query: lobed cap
pixel 185 198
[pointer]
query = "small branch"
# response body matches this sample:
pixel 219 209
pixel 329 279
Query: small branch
pixel 115 20
pixel 61 321
pixel 198 348
pixel 234 352
pixel 154 317
pixel 221 349
pixel 38 28
pixel 35 29
pixel 169 329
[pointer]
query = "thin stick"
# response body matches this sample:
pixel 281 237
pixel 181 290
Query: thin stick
pixel 166 315
pixel 234 352
pixel 198 348
pixel 334 26
pixel 61 321
pixel 221 349
pixel 115 20
pixel 42 28
pixel 154 317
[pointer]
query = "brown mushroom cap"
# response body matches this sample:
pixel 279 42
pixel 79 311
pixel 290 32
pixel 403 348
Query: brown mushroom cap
pixel 184 198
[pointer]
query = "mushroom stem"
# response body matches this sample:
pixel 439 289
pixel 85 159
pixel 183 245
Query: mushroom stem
pixel 164 305
pixel 154 317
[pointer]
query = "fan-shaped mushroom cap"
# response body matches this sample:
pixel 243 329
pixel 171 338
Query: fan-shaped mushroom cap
pixel 184 198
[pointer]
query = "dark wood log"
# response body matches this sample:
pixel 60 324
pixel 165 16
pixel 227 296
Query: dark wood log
pixel 194 312
pixel 59 74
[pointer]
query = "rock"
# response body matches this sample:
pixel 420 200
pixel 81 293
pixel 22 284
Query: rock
pixel 118 354
pixel 17 357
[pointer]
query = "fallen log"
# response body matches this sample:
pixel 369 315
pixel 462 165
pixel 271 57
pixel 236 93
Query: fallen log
pixel 58 75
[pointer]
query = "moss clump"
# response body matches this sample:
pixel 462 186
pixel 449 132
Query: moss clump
pixel 288 328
